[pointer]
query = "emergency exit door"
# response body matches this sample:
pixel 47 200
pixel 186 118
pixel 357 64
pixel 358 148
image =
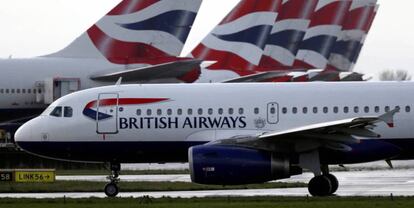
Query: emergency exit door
pixel 107 113
pixel 272 113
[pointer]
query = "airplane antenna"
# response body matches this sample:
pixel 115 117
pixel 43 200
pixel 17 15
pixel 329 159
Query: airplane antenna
pixel 119 81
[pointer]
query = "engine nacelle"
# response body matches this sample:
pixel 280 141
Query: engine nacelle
pixel 228 165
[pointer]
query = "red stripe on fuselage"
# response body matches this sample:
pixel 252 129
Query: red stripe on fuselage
pixel 124 101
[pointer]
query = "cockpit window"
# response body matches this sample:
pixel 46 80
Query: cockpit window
pixel 57 112
pixel 68 112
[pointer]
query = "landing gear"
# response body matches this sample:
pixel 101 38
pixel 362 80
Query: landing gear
pixel 323 185
pixel 111 189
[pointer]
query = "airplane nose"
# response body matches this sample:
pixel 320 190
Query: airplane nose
pixel 23 134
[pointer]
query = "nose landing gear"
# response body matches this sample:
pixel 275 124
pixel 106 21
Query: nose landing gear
pixel 111 189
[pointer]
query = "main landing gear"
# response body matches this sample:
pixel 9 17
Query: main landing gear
pixel 324 183
pixel 111 189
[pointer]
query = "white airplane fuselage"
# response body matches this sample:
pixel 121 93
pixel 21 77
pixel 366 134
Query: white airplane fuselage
pixel 158 123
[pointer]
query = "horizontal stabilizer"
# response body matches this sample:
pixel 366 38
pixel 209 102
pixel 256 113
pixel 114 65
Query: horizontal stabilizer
pixel 169 70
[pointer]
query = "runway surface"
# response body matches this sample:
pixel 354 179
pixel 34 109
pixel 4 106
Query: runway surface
pixel 355 183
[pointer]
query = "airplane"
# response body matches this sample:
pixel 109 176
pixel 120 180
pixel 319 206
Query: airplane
pixel 230 134
pixel 138 40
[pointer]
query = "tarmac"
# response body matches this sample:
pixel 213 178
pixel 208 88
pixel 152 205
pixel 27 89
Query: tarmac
pixel 351 183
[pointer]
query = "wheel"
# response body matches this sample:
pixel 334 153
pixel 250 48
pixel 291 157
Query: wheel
pixel 334 183
pixel 320 186
pixel 111 189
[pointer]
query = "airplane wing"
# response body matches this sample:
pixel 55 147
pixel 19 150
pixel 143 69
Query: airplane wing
pixel 335 135
pixel 161 71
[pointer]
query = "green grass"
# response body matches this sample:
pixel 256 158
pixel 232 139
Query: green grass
pixel 248 202
pixel 123 172
pixel 82 186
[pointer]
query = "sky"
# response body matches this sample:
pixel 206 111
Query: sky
pixel 33 28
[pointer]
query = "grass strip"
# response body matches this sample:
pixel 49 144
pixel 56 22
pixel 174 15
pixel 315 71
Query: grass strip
pixel 236 202
pixel 82 186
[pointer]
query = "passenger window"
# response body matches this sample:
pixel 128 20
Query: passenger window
pixel 315 110
pixel 169 112
pixel 407 109
pixel 159 112
pixel 200 111
pixel 220 111
pixel 241 111
pixel 57 112
pixel 231 111
pixel 179 111
pixel 284 110
pixel 18 91
pixel 68 112
pixel 356 109
pixel 12 91
pixel 149 112
pixel 39 91
pixel 305 110
pixel 294 110
pixel 325 110
pixel 256 111
pixel 346 109
pixel 29 90
pixel 398 108
pixel 366 109
pixel 210 111
pixel 336 109
pixel 387 109
pixel 272 110
pixel 24 91
pixel 139 112
pixel 1 91
pixel 190 111
pixel 377 109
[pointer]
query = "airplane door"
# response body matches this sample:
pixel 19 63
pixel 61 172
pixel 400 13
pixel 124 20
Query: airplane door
pixel 272 113
pixel 107 113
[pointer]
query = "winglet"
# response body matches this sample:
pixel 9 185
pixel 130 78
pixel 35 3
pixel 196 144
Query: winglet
pixel 388 117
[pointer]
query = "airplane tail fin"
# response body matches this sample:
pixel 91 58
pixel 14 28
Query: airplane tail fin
pixel 288 31
pixel 355 29
pixel 238 42
pixel 323 31
pixel 136 30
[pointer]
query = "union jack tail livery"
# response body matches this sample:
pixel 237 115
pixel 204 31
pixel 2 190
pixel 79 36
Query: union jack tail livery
pixel 324 30
pixel 287 33
pixel 137 32
pixel 355 29
pixel 237 43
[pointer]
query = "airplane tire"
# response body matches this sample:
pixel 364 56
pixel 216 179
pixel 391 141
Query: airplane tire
pixel 320 186
pixel 111 190
pixel 334 183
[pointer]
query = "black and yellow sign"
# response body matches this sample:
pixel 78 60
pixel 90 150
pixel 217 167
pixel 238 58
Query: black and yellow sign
pixel 24 176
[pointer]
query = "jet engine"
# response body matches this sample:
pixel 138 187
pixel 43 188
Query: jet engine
pixel 229 165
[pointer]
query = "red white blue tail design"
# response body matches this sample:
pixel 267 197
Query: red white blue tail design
pixel 324 30
pixel 287 33
pixel 137 32
pixel 237 43
pixel 355 29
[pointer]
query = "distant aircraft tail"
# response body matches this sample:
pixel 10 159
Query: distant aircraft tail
pixel 322 34
pixel 287 33
pixel 137 32
pixel 358 22
pixel 237 43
